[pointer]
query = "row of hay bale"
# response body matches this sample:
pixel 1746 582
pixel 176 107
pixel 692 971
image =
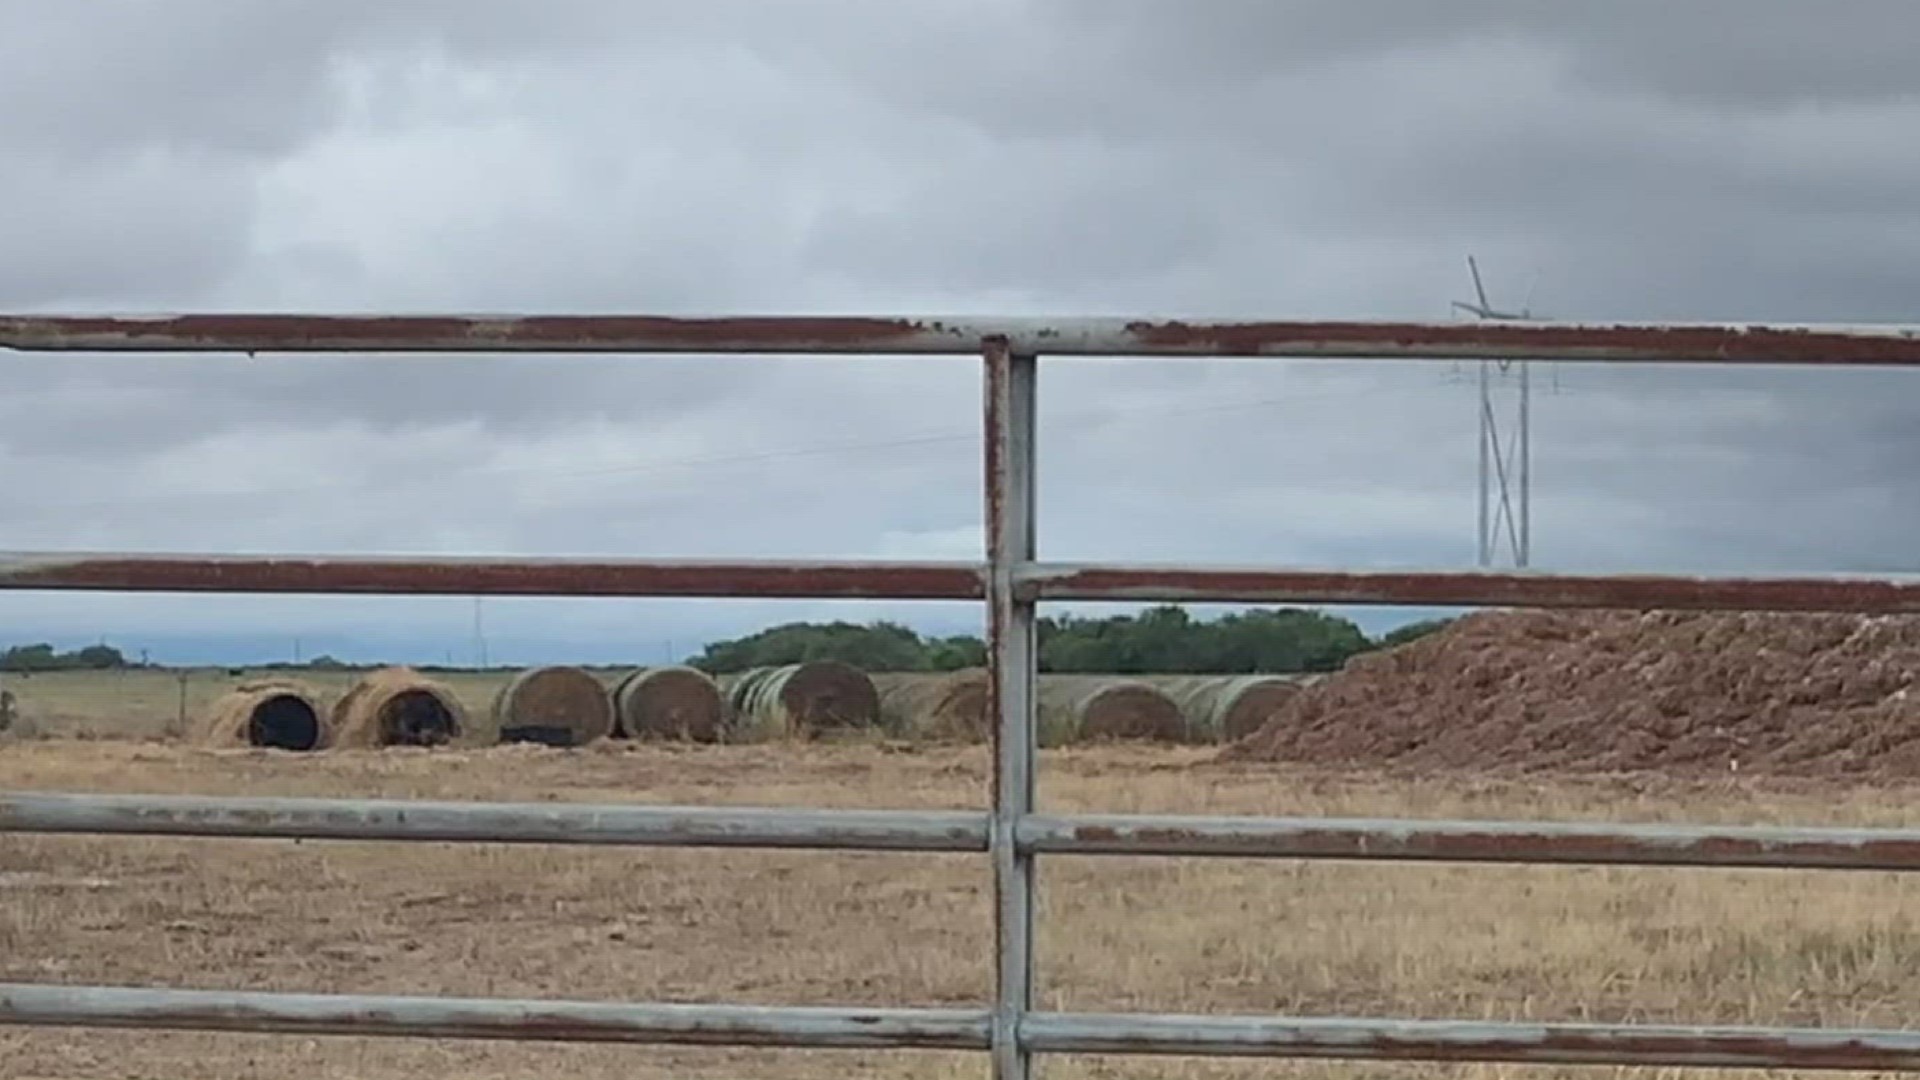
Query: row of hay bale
pixel 389 707
pixel 398 706
pixel 1092 708
pixel 568 706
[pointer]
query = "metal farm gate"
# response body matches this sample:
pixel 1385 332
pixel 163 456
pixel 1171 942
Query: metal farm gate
pixel 1010 581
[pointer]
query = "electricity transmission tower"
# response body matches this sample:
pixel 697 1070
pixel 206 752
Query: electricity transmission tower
pixel 1506 462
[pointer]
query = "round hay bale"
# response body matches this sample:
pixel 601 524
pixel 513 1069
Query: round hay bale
pixel 944 705
pixel 675 702
pixel 1083 707
pixel 275 714
pixel 553 706
pixel 13 726
pixel 806 699
pixel 397 706
pixel 1226 708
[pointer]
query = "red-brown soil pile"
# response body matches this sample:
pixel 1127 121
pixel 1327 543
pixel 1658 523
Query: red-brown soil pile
pixel 1769 694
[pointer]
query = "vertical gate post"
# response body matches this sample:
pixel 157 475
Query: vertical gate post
pixel 1011 381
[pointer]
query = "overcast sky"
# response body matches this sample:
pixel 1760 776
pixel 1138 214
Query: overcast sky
pixel 1250 158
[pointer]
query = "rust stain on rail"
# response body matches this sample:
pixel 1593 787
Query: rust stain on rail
pixel 1759 344
pixel 505 577
pixel 1443 588
pixel 1645 1048
pixel 1412 841
pixel 1469 1041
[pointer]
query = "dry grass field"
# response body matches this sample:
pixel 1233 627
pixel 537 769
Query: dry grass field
pixel 799 928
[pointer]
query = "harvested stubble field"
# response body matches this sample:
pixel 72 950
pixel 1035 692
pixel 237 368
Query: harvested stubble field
pixel 1204 935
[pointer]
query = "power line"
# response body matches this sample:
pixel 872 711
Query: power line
pixel 1498 464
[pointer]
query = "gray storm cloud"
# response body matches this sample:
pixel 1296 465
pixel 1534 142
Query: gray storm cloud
pixel 1716 160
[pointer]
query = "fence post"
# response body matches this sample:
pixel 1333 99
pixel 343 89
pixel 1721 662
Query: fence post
pixel 1011 381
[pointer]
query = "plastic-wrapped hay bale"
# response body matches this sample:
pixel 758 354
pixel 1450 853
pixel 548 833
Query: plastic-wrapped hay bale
pixel 1226 708
pixel 943 705
pixel 674 702
pixel 553 706
pixel 278 714
pixel 1097 708
pixel 397 706
pixel 806 699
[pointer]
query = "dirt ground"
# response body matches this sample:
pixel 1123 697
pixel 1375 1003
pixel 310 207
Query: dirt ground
pixel 840 929
pixel 1780 693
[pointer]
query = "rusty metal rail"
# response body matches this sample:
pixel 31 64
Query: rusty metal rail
pixel 491 1018
pixel 1826 345
pixel 764 578
pixel 1028 581
pixel 616 824
pixel 498 823
pixel 793 1027
pixel 1011 580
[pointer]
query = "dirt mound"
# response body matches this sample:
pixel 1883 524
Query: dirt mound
pixel 397 706
pixel 669 703
pixel 274 714
pixel 1772 694
pixel 553 706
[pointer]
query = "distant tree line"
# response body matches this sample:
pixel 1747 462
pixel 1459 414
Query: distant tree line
pixel 43 657
pixel 1161 639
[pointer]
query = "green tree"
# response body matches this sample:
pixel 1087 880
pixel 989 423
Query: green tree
pixel 1166 638
pixel 99 658
pixel 880 646
pixel 1413 631
pixel 954 653
pixel 41 656
pixel 36 657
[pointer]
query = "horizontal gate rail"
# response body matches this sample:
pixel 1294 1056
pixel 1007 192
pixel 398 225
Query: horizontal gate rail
pixel 499 823
pixel 1451 1040
pixel 1510 842
pixel 1619 342
pixel 1346 839
pixel 1879 594
pixel 953 1029
pixel 768 578
pixel 1011 581
pixel 749 578
pixel 491 1018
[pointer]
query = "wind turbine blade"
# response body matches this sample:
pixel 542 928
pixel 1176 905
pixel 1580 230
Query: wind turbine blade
pixel 1479 290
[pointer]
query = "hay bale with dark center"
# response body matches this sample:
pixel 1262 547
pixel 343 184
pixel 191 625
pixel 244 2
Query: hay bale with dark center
pixel 277 714
pixel 806 700
pixel 1226 708
pixel 553 706
pixel 1079 708
pixel 675 702
pixel 944 705
pixel 397 706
